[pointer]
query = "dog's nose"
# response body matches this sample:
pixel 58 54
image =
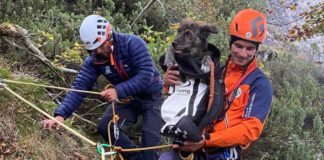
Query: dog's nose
pixel 174 44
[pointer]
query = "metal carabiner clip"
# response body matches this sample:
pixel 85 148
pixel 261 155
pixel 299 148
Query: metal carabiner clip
pixel 100 146
pixel 110 153
pixel 116 132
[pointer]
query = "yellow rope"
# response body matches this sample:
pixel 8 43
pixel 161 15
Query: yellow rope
pixel 50 117
pixel 54 87
pixel 189 157
pixel 102 153
pixel 121 101
pixel 115 119
pixel 142 149
pixel 119 149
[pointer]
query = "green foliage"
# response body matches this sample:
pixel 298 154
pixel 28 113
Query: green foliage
pixel 157 43
pixel 74 55
pixel 219 12
pixel 20 130
pixel 54 28
pixel 294 129
pixel 4 73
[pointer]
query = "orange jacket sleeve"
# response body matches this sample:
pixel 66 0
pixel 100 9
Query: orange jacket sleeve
pixel 243 133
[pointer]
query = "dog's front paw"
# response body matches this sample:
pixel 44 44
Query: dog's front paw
pixel 205 64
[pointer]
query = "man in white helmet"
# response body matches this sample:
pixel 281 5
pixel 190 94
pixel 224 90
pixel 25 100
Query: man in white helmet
pixel 125 61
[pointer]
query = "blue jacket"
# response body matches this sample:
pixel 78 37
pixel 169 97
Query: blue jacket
pixel 132 56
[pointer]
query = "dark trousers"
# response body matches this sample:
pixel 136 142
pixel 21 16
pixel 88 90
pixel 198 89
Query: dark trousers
pixel 217 154
pixel 147 105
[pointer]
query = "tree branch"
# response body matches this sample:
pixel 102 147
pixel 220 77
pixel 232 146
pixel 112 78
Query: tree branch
pixel 140 14
pixel 287 23
pixel 83 119
pixel 162 8
pixel 74 114
pixel 15 31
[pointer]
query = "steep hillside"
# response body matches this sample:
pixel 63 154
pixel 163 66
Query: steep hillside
pixel 21 134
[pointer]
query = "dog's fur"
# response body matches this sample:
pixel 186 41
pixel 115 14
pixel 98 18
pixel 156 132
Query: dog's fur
pixel 191 39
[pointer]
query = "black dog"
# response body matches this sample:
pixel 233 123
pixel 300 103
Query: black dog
pixel 191 40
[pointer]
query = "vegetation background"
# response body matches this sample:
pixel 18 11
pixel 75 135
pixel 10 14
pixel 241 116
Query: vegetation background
pixel 294 128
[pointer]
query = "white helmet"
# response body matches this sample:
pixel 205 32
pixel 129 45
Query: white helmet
pixel 94 30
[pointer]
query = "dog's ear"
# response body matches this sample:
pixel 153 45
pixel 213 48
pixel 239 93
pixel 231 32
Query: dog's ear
pixel 209 28
pixel 206 29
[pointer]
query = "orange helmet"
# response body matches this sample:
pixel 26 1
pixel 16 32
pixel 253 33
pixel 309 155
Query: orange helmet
pixel 249 24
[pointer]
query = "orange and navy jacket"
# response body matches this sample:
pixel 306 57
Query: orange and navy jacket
pixel 244 120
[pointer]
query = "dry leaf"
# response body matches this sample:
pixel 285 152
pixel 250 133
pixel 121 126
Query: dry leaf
pixel 82 157
pixel 3 144
pixel 7 151
pixel 291 32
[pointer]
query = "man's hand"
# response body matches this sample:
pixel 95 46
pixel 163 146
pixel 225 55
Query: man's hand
pixel 171 76
pixel 191 146
pixel 48 123
pixel 109 94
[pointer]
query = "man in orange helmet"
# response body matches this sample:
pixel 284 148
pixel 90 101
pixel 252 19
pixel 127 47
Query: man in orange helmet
pixel 248 93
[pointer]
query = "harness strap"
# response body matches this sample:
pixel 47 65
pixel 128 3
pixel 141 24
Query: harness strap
pixel 241 79
pixel 216 105
pixel 211 85
pixel 119 67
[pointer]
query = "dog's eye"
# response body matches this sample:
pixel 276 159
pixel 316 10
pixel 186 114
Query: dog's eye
pixel 188 33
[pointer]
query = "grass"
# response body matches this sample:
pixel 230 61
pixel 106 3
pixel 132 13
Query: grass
pixel 21 134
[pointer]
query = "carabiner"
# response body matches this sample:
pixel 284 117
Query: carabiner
pixel 99 146
pixel 116 131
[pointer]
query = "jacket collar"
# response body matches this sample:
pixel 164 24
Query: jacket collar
pixel 233 67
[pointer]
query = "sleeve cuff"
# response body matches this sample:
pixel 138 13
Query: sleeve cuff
pixel 120 92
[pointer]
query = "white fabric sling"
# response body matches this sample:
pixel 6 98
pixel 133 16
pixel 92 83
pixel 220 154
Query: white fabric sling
pixel 183 100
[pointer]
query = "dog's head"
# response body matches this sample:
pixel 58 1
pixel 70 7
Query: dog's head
pixel 192 38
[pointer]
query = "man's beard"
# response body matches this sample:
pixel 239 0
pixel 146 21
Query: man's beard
pixel 102 56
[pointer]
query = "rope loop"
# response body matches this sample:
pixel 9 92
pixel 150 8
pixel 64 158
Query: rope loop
pixel 120 101
pixel 189 157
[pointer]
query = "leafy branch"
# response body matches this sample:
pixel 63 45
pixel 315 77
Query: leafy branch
pixel 17 32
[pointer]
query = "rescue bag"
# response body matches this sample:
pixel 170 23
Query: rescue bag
pixel 196 102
